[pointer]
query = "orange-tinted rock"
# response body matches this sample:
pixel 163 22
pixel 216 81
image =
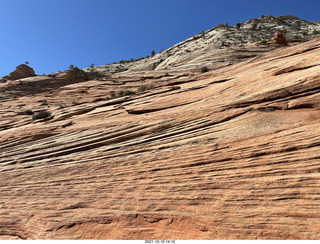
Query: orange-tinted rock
pixel 233 153
pixel 278 38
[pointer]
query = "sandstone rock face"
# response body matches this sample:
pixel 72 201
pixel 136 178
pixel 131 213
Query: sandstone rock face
pixel 278 38
pixel 232 153
pixel 21 71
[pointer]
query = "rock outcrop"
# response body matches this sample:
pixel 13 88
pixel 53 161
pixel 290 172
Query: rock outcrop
pixel 232 153
pixel 278 38
pixel 20 72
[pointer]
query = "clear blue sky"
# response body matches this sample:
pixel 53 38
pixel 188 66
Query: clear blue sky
pixel 52 34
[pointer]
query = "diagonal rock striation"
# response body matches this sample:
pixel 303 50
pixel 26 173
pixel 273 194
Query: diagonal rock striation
pixel 232 153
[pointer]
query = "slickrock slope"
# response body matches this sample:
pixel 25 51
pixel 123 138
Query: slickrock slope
pixel 233 153
pixel 222 45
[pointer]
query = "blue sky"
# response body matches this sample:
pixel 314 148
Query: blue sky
pixel 52 34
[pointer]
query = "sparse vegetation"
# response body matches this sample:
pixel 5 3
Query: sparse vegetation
pixel 74 73
pixel 28 112
pixel 129 92
pixel 298 25
pixel 41 115
pixel 120 94
pixel 153 53
pixel 143 88
pixel 125 93
pixel 203 34
pixel 52 75
pixel 114 94
pixel 204 69
pixel 44 103
pixel 254 27
pixel 263 42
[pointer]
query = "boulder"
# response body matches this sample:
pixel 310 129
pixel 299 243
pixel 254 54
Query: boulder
pixel 21 71
pixel 278 38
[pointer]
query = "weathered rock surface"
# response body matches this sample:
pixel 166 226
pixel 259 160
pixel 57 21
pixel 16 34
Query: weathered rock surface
pixel 233 153
pixel 21 71
pixel 222 45
pixel 278 38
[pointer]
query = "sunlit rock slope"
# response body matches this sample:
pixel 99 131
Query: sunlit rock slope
pixel 232 153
